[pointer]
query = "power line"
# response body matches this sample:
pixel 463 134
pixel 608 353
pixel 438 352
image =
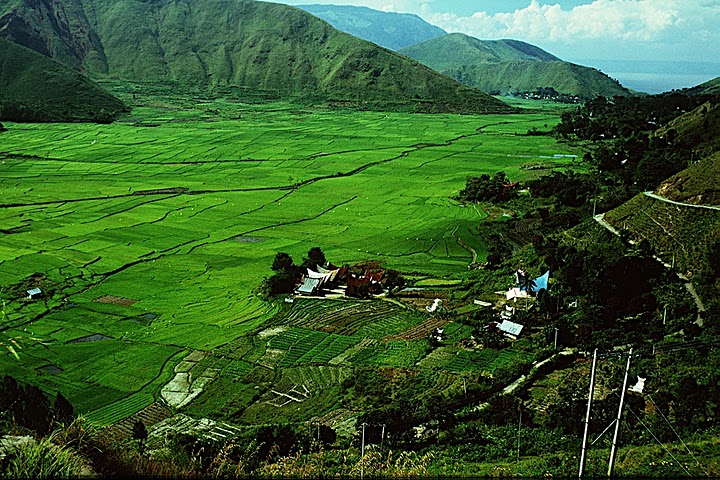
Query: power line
pixel 657 440
pixel 678 436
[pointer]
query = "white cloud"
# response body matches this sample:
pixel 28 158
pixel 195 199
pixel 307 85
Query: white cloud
pixel 623 29
pixel 640 20
pixel 663 29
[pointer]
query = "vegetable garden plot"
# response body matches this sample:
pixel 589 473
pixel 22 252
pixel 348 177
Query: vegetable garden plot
pixel 311 379
pixel 418 332
pixel 351 318
pixel 126 302
pixel 395 353
pixel 123 408
pixel 486 359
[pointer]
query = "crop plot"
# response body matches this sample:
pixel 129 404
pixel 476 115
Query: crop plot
pixel 189 381
pixel 396 354
pixel 126 302
pixel 352 318
pixel 486 359
pixel 420 331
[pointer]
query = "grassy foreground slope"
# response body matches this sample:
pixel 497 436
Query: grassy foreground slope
pixel 280 50
pixel 36 88
pixel 510 66
pixel 698 183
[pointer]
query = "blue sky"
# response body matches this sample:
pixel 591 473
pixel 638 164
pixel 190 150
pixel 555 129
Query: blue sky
pixel 577 30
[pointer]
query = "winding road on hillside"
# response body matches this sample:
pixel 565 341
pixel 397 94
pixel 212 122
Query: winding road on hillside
pixel 663 199
pixel 600 218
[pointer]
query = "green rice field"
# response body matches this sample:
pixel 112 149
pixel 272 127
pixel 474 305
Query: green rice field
pixel 150 236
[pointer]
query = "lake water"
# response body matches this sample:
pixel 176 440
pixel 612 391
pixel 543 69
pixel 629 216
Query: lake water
pixel 656 77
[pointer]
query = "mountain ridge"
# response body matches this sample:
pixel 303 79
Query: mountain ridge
pixel 268 47
pixel 35 88
pixel 388 29
pixel 510 66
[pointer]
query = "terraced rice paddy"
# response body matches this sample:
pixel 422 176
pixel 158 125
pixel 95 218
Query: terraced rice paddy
pixel 152 235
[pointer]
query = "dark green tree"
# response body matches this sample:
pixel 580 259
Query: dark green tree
pixel 282 262
pixel 63 411
pixel 140 434
pixel 35 410
pixel 315 258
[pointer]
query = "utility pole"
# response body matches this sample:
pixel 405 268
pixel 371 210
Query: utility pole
pixel 617 420
pixel 362 450
pixel 556 331
pixel 587 415
pixel 382 437
pixel 518 435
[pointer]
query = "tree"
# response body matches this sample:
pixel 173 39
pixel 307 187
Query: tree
pixel 316 255
pixel 486 188
pixel 527 283
pixel 314 258
pixel 282 263
pixel 63 412
pixel 35 413
pixel 140 434
pixel 393 279
pixel 280 283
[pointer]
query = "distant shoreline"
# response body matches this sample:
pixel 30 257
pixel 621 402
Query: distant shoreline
pixel 655 76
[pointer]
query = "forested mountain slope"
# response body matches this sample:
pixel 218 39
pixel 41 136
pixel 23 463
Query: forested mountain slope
pixel 711 87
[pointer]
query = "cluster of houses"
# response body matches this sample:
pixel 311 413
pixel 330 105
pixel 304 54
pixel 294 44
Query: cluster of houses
pixel 524 288
pixel 332 278
pixel 341 280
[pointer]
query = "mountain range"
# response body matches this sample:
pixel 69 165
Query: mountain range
pixel 495 66
pixel 266 47
pixel 387 29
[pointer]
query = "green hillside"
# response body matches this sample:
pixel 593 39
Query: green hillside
pixel 711 87
pixel 686 231
pixel 279 50
pixel 388 29
pixel 698 183
pixel 34 87
pixel 450 51
pixel 507 66
pixel 528 76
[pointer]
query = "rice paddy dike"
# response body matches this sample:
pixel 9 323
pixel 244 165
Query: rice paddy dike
pixel 150 236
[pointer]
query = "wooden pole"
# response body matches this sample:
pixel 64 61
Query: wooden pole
pixel 583 452
pixel 362 451
pixel 613 450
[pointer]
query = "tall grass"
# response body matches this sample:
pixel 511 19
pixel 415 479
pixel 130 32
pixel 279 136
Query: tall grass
pixel 43 459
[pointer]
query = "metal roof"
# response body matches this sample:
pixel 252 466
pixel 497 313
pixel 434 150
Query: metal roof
pixel 511 328
pixel 34 291
pixel 309 285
